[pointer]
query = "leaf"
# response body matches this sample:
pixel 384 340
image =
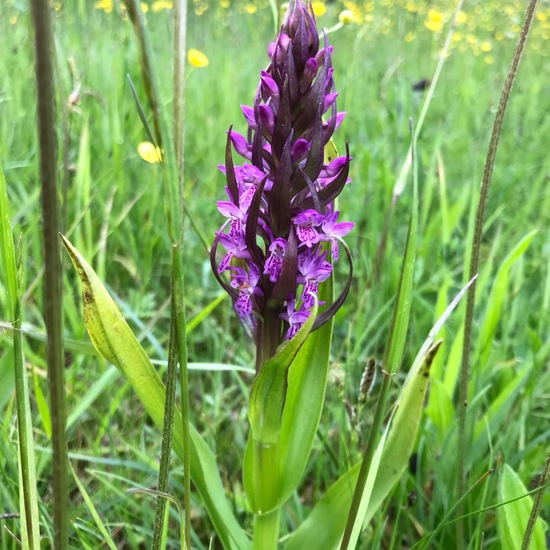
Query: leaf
pixel 393 356
pixel 497 413
pixel 107 539
pixel 496 300
pixel 268 394
pixel 324 526
pixel 307 378
pixel 262 479
pixel 512 518
pixel 114 339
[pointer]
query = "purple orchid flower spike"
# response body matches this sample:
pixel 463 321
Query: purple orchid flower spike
pixel 282 222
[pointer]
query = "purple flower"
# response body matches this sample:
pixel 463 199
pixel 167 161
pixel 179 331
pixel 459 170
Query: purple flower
pixel 281 215
pixel 333 232
pixel 313 269
pixel 236 248
pixel 246 284
pixel 274 263
pixel 305 223
pixel 294 318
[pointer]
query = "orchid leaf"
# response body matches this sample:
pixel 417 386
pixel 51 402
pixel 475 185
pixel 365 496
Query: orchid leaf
pixel 268 394
pixel 115 341
pixel 307 378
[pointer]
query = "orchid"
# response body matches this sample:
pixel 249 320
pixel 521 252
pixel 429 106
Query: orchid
pixel 282 217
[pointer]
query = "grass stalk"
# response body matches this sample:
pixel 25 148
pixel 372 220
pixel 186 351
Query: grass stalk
pixel 178 206
pixel 30 534
pixel 537 505
pixel 181 324
pixel 474 260
pixel 164 466
pixel 53 275
pixel 172 166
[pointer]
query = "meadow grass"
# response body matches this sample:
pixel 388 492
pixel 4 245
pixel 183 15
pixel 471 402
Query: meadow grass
pixel 115 217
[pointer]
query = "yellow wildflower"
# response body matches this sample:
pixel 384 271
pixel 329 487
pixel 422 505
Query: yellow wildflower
pixel 411 6
pixel 541 16
pixel 225 4
pixel 489 59
pixel 410 36
pixel 486 46
pixel 457 37
pixel 160 5
pixel 251 8
pixel 461 18
pixel 197 58
pixel 434 21
pixel 105 5
pixel 144 7
pixel 346 17
pixel 319 8
pixel 499 36
pixel 148 152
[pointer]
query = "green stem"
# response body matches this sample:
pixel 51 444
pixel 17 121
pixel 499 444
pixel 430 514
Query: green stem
pixel 474 262
pixel 266 530
pixel 269 336
pixel 537 505
pixel 266 472
pixel 53 273
pixel 181 324
pixel 172 165
pixel 167 432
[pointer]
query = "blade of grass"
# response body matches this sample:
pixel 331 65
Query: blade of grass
pixel 392 357
pixel 107 539
pixel 53 295
pixel 474 261
pixel 30 534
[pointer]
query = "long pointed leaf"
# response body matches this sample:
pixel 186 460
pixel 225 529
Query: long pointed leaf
pixel 323 528
pixel 114 339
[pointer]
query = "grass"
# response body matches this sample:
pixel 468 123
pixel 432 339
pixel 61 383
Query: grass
pixel 115 217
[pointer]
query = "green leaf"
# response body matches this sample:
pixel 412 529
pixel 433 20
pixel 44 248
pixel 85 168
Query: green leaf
pixel 393 356
pixel 513 517
pixel 114 339
pixel 107 539
pixel 268 394
pixel 440 409
pixel 324 526
pixel 285 456
pixel 498 412
pixel 307 379
pixel 30 532
pixel 262 476
pixel 496 300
